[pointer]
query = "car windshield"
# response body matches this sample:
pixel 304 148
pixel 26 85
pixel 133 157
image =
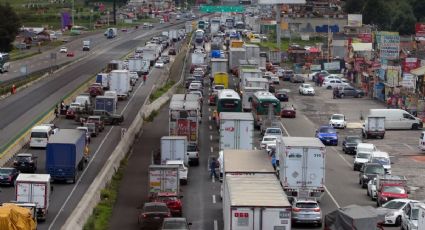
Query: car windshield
pixel 381 160
pixel 375 170
pixel 394 204
pixel 39 134
pixel 327 130
pixel 269 139
pixel 354 139
pixel 307 86
pixel 288 107
pixel 174 225
pixel 274 131
pixel 306 205
pixel 394 189
pixel 155 208
pixel 5 171
pixel 191 148
pixel 363 155
pixel 337 117
pixel 23 158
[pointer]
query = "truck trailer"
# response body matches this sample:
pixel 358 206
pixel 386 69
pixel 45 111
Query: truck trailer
pixel 236 130
pixel 119 81
pixel 173 148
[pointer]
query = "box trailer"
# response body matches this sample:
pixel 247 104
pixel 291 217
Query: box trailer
pixel 103 79
pixel 236 130
pixel 236 54
pixel 184 116
pixel 107 103
pixel 275 57
pixel 135 65
pixel 163 179
pixel 218 65
pixel 119 81
pixel 173 148
pixel 255 202
pixel 252 52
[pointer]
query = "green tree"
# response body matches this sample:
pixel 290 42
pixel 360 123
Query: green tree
pixel 354 6
pixel 377 12
pixel 9 27
pixel 418 7
pixel 403 18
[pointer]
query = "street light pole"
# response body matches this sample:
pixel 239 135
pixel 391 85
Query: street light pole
pixel 72 12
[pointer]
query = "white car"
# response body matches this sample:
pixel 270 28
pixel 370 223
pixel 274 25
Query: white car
pixel 332 83
pixel 195 86
pixel 183 170
pixel 274 131
pixel 371 188
pixel 159 64
pixel 268 140
pixel 274 79
pixel 306 89
pixel 332 77
pixel 395 209
pixel 410 216
pixel 338 121
pixel 63 49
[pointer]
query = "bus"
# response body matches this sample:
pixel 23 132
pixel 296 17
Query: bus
pixel 260 106
pixel 227 101
pixel 249 87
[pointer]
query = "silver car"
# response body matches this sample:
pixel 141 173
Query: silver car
pixel 306 211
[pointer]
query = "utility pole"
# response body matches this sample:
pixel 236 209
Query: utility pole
pixel 72 12
pixel 115 12
pixel 278 25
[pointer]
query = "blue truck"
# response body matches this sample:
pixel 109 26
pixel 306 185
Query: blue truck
pixel 65 154
pixel 106 103
pixel 111 33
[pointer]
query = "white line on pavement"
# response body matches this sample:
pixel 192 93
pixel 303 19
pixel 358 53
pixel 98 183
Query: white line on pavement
pixel 80 178
pixel 210 127
pixel 210 137
pixel 213 197
pixel 215 225
pixel 209 118
pixel 332 197
pixel 349 165
pixel 209 109
pixel 212 149
pixel 409 147
pixel 213 179
pixel 132 96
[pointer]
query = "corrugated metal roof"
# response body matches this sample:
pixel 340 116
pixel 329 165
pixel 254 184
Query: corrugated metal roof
pixel 302 142
pixel 256 190
pixel 237 160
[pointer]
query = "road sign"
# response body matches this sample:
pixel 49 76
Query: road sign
pixel 218 9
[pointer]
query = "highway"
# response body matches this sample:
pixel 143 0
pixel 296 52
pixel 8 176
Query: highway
pixel 202 205
pixel 65 197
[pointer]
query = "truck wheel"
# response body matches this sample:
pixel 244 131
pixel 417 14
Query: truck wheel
pixel 415 126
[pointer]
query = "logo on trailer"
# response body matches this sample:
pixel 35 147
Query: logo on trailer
pixel 230 129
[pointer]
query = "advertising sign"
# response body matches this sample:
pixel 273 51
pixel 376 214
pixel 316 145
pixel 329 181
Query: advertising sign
pixel 410 64
pixel 183 128
pixel 331 65
pixel 272 2
pixel 393 73
pixel 420 29
pixel 163 179
pixel 409 81
pixel 355 20
pixel 365 37
pixel 388 44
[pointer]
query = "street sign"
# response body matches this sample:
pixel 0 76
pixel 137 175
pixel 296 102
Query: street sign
pixel 218 9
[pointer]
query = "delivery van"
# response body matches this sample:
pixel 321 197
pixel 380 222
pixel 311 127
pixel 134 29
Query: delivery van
pixel 397 118
pixel 40 136
pixel 363 154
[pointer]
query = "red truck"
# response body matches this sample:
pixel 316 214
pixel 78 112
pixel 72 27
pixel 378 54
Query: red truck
pixel 390 187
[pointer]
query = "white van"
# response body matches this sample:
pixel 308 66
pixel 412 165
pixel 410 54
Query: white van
pixel 83 99
pixel 363 154
pixel 382 158
pixel 397 118
pixel 40 136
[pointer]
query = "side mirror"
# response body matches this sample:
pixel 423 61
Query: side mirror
pixel 189 224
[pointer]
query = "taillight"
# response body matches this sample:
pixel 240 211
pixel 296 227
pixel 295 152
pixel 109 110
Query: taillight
pixel 145 216
pixel 296 209
pixel 316 209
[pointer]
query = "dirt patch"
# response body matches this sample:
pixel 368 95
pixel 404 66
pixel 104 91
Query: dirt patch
pixel 420 159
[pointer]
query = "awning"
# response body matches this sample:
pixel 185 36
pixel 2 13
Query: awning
pixel 419 71
pixel 362 46
pixel 314 50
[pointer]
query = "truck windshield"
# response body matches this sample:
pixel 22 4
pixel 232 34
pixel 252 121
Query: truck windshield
pixel 375 170
pixel 394 189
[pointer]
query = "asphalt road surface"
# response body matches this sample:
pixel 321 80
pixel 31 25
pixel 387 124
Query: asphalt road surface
pixel 65 196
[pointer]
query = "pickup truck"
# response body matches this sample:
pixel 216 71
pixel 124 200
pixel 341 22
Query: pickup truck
pixel 390 187
pixel 107 117
pixel 98 121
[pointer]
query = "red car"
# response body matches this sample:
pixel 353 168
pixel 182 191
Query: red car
pixel 172 201
pixel 95 90
pixel 288 111
pixel 70 113
pixel 212 100
pixel 70 54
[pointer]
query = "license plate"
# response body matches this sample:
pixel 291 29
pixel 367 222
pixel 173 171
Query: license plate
pixel 156 218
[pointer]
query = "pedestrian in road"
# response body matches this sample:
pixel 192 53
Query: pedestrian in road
pixel 213 167
pixel 144 78
pixel 274 161
pixel 56 111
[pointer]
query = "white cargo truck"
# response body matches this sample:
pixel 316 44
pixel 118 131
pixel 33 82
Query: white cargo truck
pixel 252 52
pixel 246 73
pixel 188 27
pixel 119 81
pixel 172 34
pixel 34 188
pixel 374 127
pixel 135 65
pixel 236 130
pixel 302 167
pixel 86 45
pixel 173 148
pixel 236 54
pixel 198 58
pixel 184 117
pixel 218 65
pixel 151 53
pixel 255 202
pixel 163 179
pixel 275 57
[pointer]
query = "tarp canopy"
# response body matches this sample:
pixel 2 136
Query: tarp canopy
pixel 13 217
pixel 353 217
pixel 362 46
pixel 419 71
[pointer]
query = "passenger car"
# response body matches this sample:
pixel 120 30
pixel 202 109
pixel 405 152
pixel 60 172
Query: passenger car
pixel 409 219
pixel 193 153
pixel 306 89
pixel 349 144
pixel 70 54
pixel 297 78
pixel 388 192
pixel 159 64
pixel 282 95
pixel 273 131
pixel 25 162
pixel 327 134
pixel 371 189
pixel 183 170
pixel 267 140
pixel 165 59
pixel 395 209
pixel 63 49
pixel 369 171
pixel 8 176
pixel 175 224
pixel 338 121
pixel 172 201
pixel 306 211
pixel 288 111
pixel 153 214
pixel 275 80
pixel 333 83
pixel 348 91
pixel 287 75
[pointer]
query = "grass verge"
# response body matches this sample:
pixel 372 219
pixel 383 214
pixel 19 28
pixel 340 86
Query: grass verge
pixel 284 45
pixel 159 92
pixel 99 219
pixel 18 55
pixel 151 116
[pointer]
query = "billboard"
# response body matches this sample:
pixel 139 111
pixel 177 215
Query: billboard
pixel 388 44
pixel 273 2
pixel 355 20
pixel 420 29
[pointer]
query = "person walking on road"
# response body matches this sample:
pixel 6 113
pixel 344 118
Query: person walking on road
pixel 213 167
pixel 144 78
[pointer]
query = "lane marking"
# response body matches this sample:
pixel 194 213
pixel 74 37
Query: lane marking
pixel 215 225
pixel 209 109
pixel 409 147
pixel 213 197
pixel 332 197
pixel 79 179
pixel 213 179
pixel 211 137
pixel 131 98
pixel 340 155
pixel 210 127
pixel 212 149
pixel 209 118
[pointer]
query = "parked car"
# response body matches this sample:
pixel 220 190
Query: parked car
pixel 153 214
pixel 175 224
pixel 25 163
pixel 297 78
pixel 282 95
pixel 159 64
pixel 8 176
pixel 394 209
pixel 306 212
pixel 172 201
pixel 338 121
pixel 368 171
pixel 288 111
pixel 371 189
pixel 349 144
pixel 70 54
pixel 327 134
pixel 268 140
pixel 333 83
pixel 348 91
pixel 63 49
pixel 165 59
pixel 306 89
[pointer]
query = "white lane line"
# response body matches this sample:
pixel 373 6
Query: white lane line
pixel 213 179
pixel 332 197
pixel 210 137
pixel 212 149
pixel 346 162
pixel 215 225
pixel 210 127
pixel 209 109
pixel 410 147
pixel 209 118
pixel 284 129
pixel 213 197
pixel 80 178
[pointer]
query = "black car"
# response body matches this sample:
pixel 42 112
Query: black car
pixel 272 89
pixel 8 176
pixel 349 144
pixel 153 215
pixel 282 95
pixel 25 162
pixel 368 171
pixel 172 51
pixel 348 91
